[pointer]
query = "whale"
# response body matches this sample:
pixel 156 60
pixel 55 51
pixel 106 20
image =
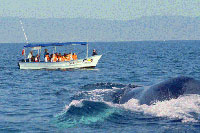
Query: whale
pixel 166 90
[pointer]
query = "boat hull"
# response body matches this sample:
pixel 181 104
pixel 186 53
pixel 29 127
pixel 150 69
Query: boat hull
pixel 81 63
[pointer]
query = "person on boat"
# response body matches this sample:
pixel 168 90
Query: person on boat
pixel 37 58
pixel 30 55
pixel 94 52
pixel 67 57
pixel 74 56
pixel 54 58
pixel 56 55
pixel 45 52
pixel 59 57
pixel 70 56
pixel 47 58
pixel 62 58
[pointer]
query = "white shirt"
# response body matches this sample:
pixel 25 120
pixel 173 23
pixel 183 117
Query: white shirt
pixel 29 56
pixel 45 59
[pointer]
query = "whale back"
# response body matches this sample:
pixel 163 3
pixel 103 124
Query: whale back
pixel 131 93
pixel 169 89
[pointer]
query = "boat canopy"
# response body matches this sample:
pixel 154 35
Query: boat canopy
pixel 54 44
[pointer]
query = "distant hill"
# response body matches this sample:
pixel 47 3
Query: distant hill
pixel 81 29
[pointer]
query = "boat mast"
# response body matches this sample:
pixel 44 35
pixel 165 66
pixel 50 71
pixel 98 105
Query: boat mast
pixel 87 51
pixel 24 32
pixel 25 38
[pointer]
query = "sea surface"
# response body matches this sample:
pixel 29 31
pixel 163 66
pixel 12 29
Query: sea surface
pixel 72 100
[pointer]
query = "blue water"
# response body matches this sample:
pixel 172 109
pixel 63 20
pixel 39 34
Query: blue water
pixel 72 101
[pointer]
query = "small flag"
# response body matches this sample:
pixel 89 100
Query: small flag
pixel 23 52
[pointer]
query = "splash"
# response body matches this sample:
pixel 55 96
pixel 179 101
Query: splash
pixel 97 106
pixel 75 103
pixel 185 108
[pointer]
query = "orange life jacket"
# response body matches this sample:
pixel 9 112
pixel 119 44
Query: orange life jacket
pixel 62 58
pixel 55 58
pixel 67 59
pixel 59 58
pixel 74 57
pixel 47 56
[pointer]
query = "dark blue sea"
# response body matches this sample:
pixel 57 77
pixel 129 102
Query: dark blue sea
pixel 73 100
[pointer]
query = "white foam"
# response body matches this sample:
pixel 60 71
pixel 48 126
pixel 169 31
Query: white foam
pixel 180 108
pixel 99 94
pixel 76 103
pixel 95 95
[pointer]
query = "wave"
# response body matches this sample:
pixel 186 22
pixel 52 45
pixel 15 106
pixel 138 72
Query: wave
pixel 98 105
pixel 83 112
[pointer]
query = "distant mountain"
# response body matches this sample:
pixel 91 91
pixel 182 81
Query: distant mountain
pixel 81 29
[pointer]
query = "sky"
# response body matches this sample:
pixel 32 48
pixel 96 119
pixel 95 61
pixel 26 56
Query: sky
pixel 98 9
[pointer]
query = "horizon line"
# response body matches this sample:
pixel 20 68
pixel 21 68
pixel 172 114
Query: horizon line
pixel 97 18
pixel 101 41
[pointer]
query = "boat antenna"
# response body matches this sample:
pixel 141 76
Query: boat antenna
pixel 24 31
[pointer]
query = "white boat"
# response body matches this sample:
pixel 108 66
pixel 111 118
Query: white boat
pixel 88 62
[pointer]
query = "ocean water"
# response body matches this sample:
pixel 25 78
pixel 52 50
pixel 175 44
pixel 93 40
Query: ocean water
pixel 74 100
